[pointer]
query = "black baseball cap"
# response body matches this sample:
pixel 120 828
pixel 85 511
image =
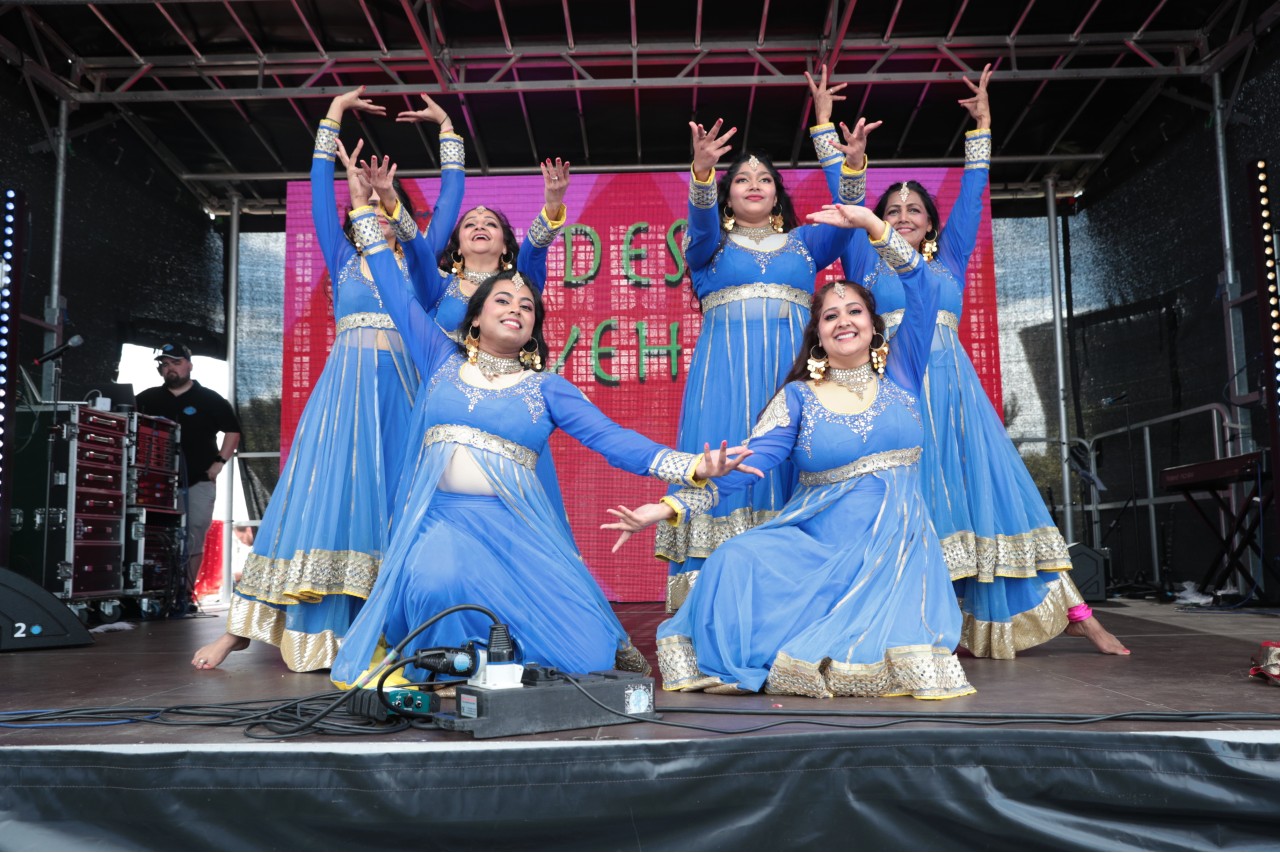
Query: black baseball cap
pixel 173 350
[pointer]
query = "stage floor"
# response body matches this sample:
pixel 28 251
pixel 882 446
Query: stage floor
pixel 1181 662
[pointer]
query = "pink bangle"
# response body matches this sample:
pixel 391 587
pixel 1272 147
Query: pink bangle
pixel 1079 613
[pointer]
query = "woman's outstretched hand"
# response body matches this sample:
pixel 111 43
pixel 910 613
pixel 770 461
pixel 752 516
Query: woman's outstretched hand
pixel 555 183
pixel 357 185
pixel 634 520
pixel 431 112
pixel 855 142
pixel 848 216
pixel 824 96
pixel 354 100
pixel 724 460
pixel 709 146
pixel 979 106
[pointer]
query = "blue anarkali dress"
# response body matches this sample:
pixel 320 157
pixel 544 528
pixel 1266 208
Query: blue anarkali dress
pixel 322 537
pixel 507 550
pixel 1005 554
pixel 755 305
pixel 845 592
pixel 440 292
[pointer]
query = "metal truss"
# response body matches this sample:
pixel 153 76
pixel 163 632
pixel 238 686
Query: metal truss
pixel 425 58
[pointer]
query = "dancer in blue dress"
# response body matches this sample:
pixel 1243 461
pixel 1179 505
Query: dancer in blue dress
pixel 1006 556
pixel 322 537
pixel 481 244
pixel 754 273
pixel 845 592
pixel 478 528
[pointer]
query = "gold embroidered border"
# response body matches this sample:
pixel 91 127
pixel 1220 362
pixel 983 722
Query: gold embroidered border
pixel 406 230
pixel 678 588
pixel 757 290
pixel 541 234
pixel 944 318
pixel 679 667
pixel 481 440
pixel 824 139
pixel 677 467
pixel 367 231
pixel 326 140
pixel 861 467
pixel 923 672
pixel 309 576
pixel 775 415
pixel 702 196
pixel 301 652
pixel 1003 640
pixel 365 320
pixel 629 659
pixel 453 151
pixel 977 149
pixel 704 533
pixel 853 188
pixel 1021 556
pixel 896 252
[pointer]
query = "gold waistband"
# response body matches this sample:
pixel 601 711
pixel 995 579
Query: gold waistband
pixel 757 290
pixel 866 465
pixel 365 320
pixel 481 440
pixel 945 318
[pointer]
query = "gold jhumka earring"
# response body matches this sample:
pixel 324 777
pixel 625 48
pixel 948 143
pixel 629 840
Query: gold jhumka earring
pixel 879 353
pixel 532 359
pixel 817 364
pixel 459 265
pixel 726 219
pixel 775 219
pixel 472 343
pixel 505 260
pixel 929 247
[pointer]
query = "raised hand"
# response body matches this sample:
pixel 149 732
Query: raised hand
pixel 634 520
pixel 555 183
pixel 848 216
pixel 357 186
pixel 724 460
pixel 354 100
pixel 978 106
pixel 709 146
pixel 855 142
pixel 824 96
pixel 432 112
pixel 381 176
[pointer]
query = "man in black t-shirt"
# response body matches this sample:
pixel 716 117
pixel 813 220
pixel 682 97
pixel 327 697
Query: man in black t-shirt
pixel 202 414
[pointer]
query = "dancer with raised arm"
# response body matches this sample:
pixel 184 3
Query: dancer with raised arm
pixel 318 549
pixel 1006 556
pixel 845 592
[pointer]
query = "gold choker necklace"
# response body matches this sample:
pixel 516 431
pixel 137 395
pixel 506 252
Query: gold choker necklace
pixel 755 234
pixel 493 366
pixel 854 381
pixel 477 276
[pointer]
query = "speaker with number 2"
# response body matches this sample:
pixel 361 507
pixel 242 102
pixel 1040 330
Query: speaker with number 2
pixel 32 618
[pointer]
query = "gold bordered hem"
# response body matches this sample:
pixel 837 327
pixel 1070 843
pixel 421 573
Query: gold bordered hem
pixel 301 652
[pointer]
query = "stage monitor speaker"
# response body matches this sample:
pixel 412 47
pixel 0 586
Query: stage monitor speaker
pixel 1089 570
pixel 32 618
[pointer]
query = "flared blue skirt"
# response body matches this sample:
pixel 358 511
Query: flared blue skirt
pixel 324 530
pixel 1003 550
pixel 845 593
pixel 744 352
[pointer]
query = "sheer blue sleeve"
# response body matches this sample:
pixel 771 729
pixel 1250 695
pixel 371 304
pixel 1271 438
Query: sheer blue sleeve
pixel 335 247
pixel 418 330
pixel 425 248
pixel 771 442
pixel 825 243
pixel 622 448
pixel 958 239
pixel 909 357
pixel 702 235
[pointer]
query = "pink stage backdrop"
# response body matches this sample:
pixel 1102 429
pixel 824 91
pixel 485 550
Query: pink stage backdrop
pixel 621 323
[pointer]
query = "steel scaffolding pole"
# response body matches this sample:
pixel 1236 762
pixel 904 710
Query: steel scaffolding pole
pixel 233 300
pixel 1060 354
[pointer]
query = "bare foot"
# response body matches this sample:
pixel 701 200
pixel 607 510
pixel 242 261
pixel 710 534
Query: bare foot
pixel 1092 630
pixel 208 657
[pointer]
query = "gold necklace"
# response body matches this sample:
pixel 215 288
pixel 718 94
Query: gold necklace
pixel 477 276
pixel 855 380
pixel 754 233
pixel 493 366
